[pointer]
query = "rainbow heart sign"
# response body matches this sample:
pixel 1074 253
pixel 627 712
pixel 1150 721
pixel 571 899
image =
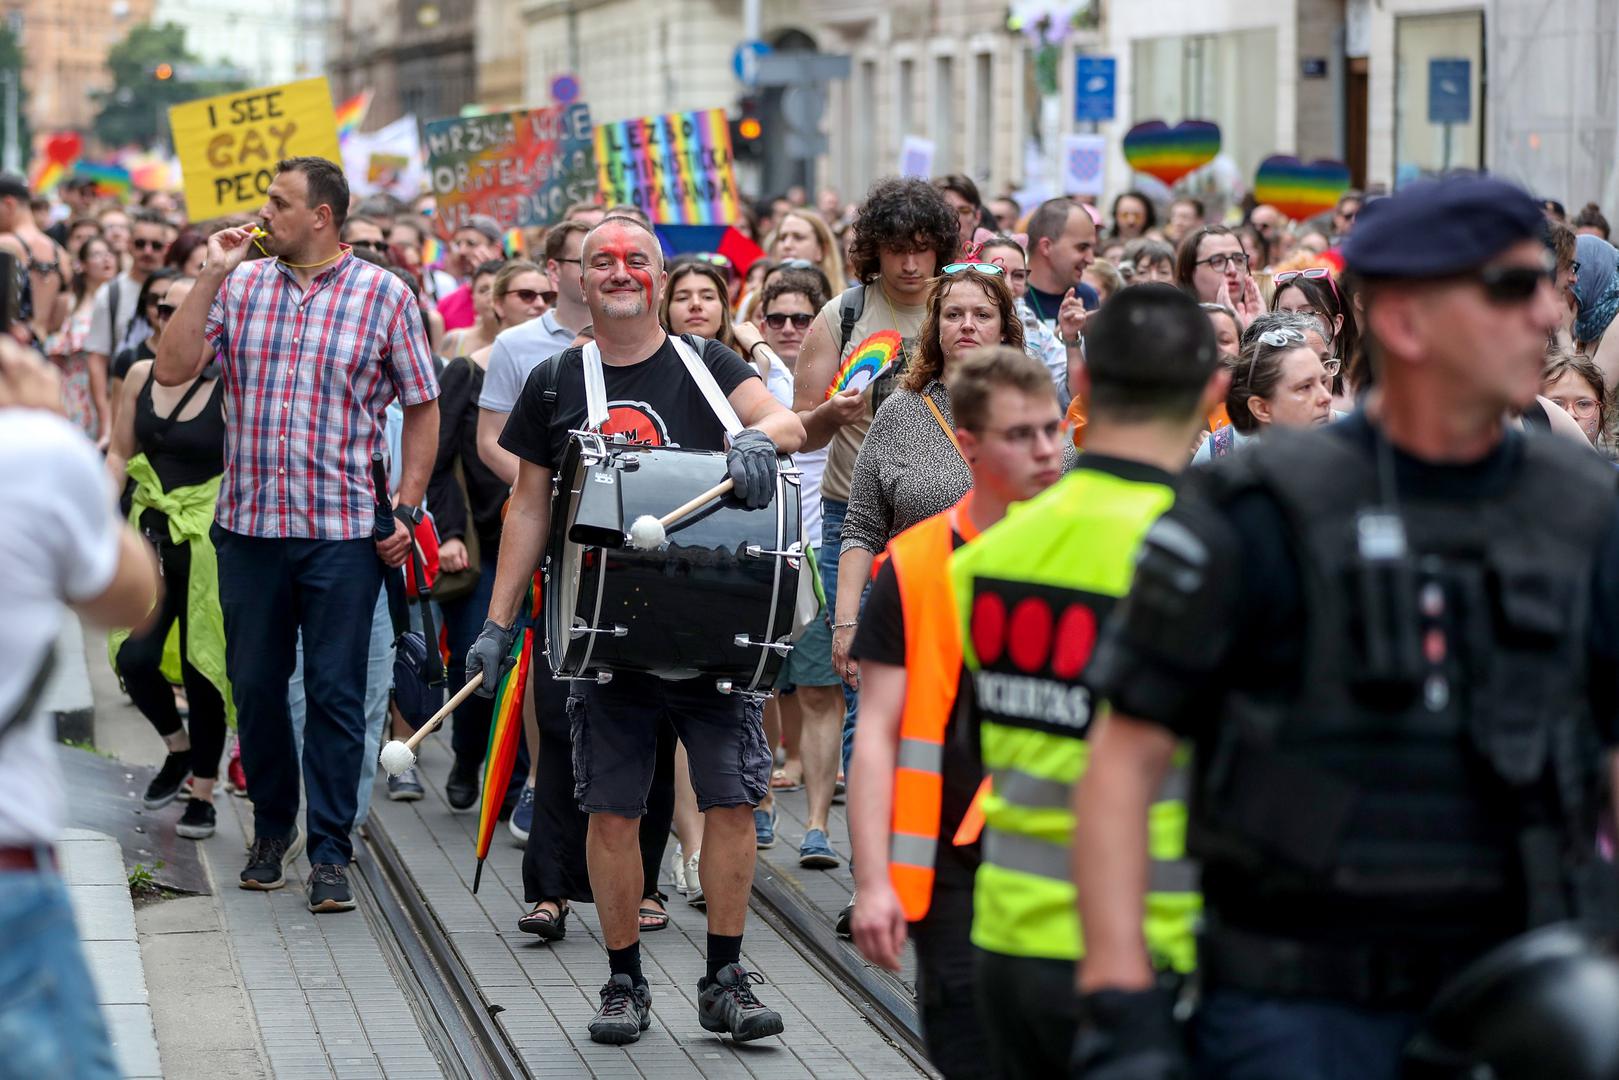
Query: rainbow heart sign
pixel 1298 190
pixel 866 363
pixel 1169 153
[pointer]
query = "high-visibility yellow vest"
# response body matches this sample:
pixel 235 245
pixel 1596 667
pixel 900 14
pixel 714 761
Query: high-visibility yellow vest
pixel 1032 592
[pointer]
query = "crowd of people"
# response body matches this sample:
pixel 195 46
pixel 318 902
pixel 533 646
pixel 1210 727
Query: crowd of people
pixel 974 514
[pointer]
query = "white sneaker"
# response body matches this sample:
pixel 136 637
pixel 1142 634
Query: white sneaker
pixel 694 882
pixel 677 869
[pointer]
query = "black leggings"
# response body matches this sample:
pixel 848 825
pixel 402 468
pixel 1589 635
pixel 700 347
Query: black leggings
pixel 140 660
pixel 554 860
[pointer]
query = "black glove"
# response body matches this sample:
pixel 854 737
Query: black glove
pixel 490 656
pixel 1129 1035
pixel 752 465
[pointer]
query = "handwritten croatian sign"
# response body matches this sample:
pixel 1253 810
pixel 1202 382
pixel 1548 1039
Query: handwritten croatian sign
pixel 520 168
pixel 228 145
pixel 677 167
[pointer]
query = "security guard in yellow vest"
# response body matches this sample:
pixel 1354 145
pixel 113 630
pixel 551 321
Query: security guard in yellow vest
pixel 1031 593
pixel 912 778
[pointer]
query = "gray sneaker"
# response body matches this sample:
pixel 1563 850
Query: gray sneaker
pixel 626 1011
pixel 726 1003
pixel 406 787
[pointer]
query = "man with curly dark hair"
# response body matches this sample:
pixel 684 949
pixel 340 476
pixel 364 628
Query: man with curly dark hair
pixel 904 235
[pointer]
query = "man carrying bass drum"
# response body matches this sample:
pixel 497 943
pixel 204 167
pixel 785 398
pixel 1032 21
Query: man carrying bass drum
pixel 650 399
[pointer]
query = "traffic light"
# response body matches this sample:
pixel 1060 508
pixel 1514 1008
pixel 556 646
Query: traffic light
pixel 163 72
pixel 747 131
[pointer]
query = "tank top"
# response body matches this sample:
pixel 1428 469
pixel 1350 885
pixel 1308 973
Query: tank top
pixel 183 452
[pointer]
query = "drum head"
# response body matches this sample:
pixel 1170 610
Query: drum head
pixel 564 564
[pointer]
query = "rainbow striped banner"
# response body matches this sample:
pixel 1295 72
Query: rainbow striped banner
pixel 111 179
pixel 678 167
pixel 505 729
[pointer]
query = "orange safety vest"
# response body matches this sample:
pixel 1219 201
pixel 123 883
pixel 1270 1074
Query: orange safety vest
pixel 921 559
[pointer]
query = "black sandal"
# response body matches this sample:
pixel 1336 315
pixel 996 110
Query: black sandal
pixel 661 918
pixel 546 926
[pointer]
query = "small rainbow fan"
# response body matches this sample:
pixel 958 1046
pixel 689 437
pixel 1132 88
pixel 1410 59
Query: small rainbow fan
pixel 867 362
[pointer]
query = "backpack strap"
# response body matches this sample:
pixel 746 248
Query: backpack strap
pixel 851 305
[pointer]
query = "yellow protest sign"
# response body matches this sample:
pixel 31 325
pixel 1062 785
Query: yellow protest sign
pixel 228 145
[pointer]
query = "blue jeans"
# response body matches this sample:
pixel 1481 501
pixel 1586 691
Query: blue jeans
pixel 270 589
pixel 50 1024
pixel 833 512
pixel 379 680
pixel 1243 1036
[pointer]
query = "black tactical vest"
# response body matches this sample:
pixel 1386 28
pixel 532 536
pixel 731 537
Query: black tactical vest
pixel 1475 772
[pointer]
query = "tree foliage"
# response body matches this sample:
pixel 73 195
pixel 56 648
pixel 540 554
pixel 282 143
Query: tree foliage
pixel 135 110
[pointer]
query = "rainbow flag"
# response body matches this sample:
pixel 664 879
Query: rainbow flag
pixel 46 175
pixel 111 180
pixel 351 114
pixel 432 251
pixel 513 243
pixel 505 731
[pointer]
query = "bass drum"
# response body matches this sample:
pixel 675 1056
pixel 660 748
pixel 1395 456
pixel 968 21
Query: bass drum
pixel 716 601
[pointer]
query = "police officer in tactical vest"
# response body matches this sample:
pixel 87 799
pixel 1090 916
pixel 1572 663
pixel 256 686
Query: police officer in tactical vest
pixel 1394 644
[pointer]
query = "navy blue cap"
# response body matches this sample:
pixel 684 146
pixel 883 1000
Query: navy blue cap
pixel 1437 228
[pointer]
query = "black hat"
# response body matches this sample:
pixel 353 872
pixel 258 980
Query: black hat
pixel 1438 228
pixel 13 186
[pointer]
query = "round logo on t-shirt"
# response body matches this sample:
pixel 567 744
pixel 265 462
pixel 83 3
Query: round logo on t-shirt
pixel 636 421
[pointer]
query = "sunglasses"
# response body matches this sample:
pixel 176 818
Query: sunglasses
pixel 148 245
pixel 165 311
pixel 527 296
pixel 714 259
pixel 982 267
pixel 777 320
pixel 1512 284
pixel 795 264
pixel 378 246
pixel 1314 273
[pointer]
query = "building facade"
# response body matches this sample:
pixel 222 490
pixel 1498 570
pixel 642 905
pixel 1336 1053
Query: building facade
pixel 268 44
pixel 416 56
pixel 64 47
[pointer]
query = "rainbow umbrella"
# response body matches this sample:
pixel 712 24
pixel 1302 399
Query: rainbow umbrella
pixel 505 729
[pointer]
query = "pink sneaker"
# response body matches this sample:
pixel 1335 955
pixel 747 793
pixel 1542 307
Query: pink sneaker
pixel 235 778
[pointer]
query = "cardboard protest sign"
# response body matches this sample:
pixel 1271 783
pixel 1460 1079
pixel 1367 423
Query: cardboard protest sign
pixel 677 167
pixel 520 168
pixel 228 145
pixel 386 160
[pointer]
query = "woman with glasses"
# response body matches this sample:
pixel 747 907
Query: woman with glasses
pixel 486 321
pixel 170 440
pixel 909 467
pixel 1279 378
pixel 153 290
pixel 466 498
pixel 88 403
pixel 1314 290
pixel 1574 383
pixel 1212 265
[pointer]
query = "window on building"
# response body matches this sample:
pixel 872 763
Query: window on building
pixel 864 126
pixel 1438 94
pixel 981 162
pixel 907 98
pixel 944 114
pixel 1211 77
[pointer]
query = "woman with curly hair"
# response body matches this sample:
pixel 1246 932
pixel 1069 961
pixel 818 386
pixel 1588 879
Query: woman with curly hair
pixel 910 467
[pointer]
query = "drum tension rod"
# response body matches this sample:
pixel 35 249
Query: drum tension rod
pixel 781 648
pixel 615 631
pixel 756 551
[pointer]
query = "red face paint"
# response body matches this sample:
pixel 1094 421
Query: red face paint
pixel 621 248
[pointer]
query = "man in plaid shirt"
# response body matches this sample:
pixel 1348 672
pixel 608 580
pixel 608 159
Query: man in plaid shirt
pixel 313 344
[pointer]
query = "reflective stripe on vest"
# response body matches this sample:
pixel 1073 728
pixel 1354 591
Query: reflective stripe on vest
pixel 921 559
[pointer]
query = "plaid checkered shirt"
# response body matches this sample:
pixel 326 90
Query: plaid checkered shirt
pixel 307 376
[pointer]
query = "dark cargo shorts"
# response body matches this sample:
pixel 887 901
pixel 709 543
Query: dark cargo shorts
pixel 615 742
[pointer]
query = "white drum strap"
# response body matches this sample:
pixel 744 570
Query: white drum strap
pixel 596 386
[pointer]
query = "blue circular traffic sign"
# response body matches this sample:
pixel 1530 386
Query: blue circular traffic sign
pixel 565 89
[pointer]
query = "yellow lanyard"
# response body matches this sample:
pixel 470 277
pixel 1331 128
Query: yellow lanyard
pixel 301 266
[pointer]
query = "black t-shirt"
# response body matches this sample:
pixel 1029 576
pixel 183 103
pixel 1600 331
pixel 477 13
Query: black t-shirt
pixel 1256 598
pixel 128 358
pixel 881 638
pixel 654 402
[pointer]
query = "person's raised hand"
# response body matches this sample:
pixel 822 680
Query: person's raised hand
pixel 846 407
pixel 748 336
pixel 1249 305
pixel 27 381
pixel 1071 316
pixel 227 248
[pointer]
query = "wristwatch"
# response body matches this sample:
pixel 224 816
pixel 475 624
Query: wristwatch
pixel 412 514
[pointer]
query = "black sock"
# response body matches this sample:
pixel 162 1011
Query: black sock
pixel 626 961
pixel 723 951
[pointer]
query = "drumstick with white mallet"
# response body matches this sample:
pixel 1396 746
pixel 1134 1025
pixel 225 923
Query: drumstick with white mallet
pixel 398 756
pixel 647 532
